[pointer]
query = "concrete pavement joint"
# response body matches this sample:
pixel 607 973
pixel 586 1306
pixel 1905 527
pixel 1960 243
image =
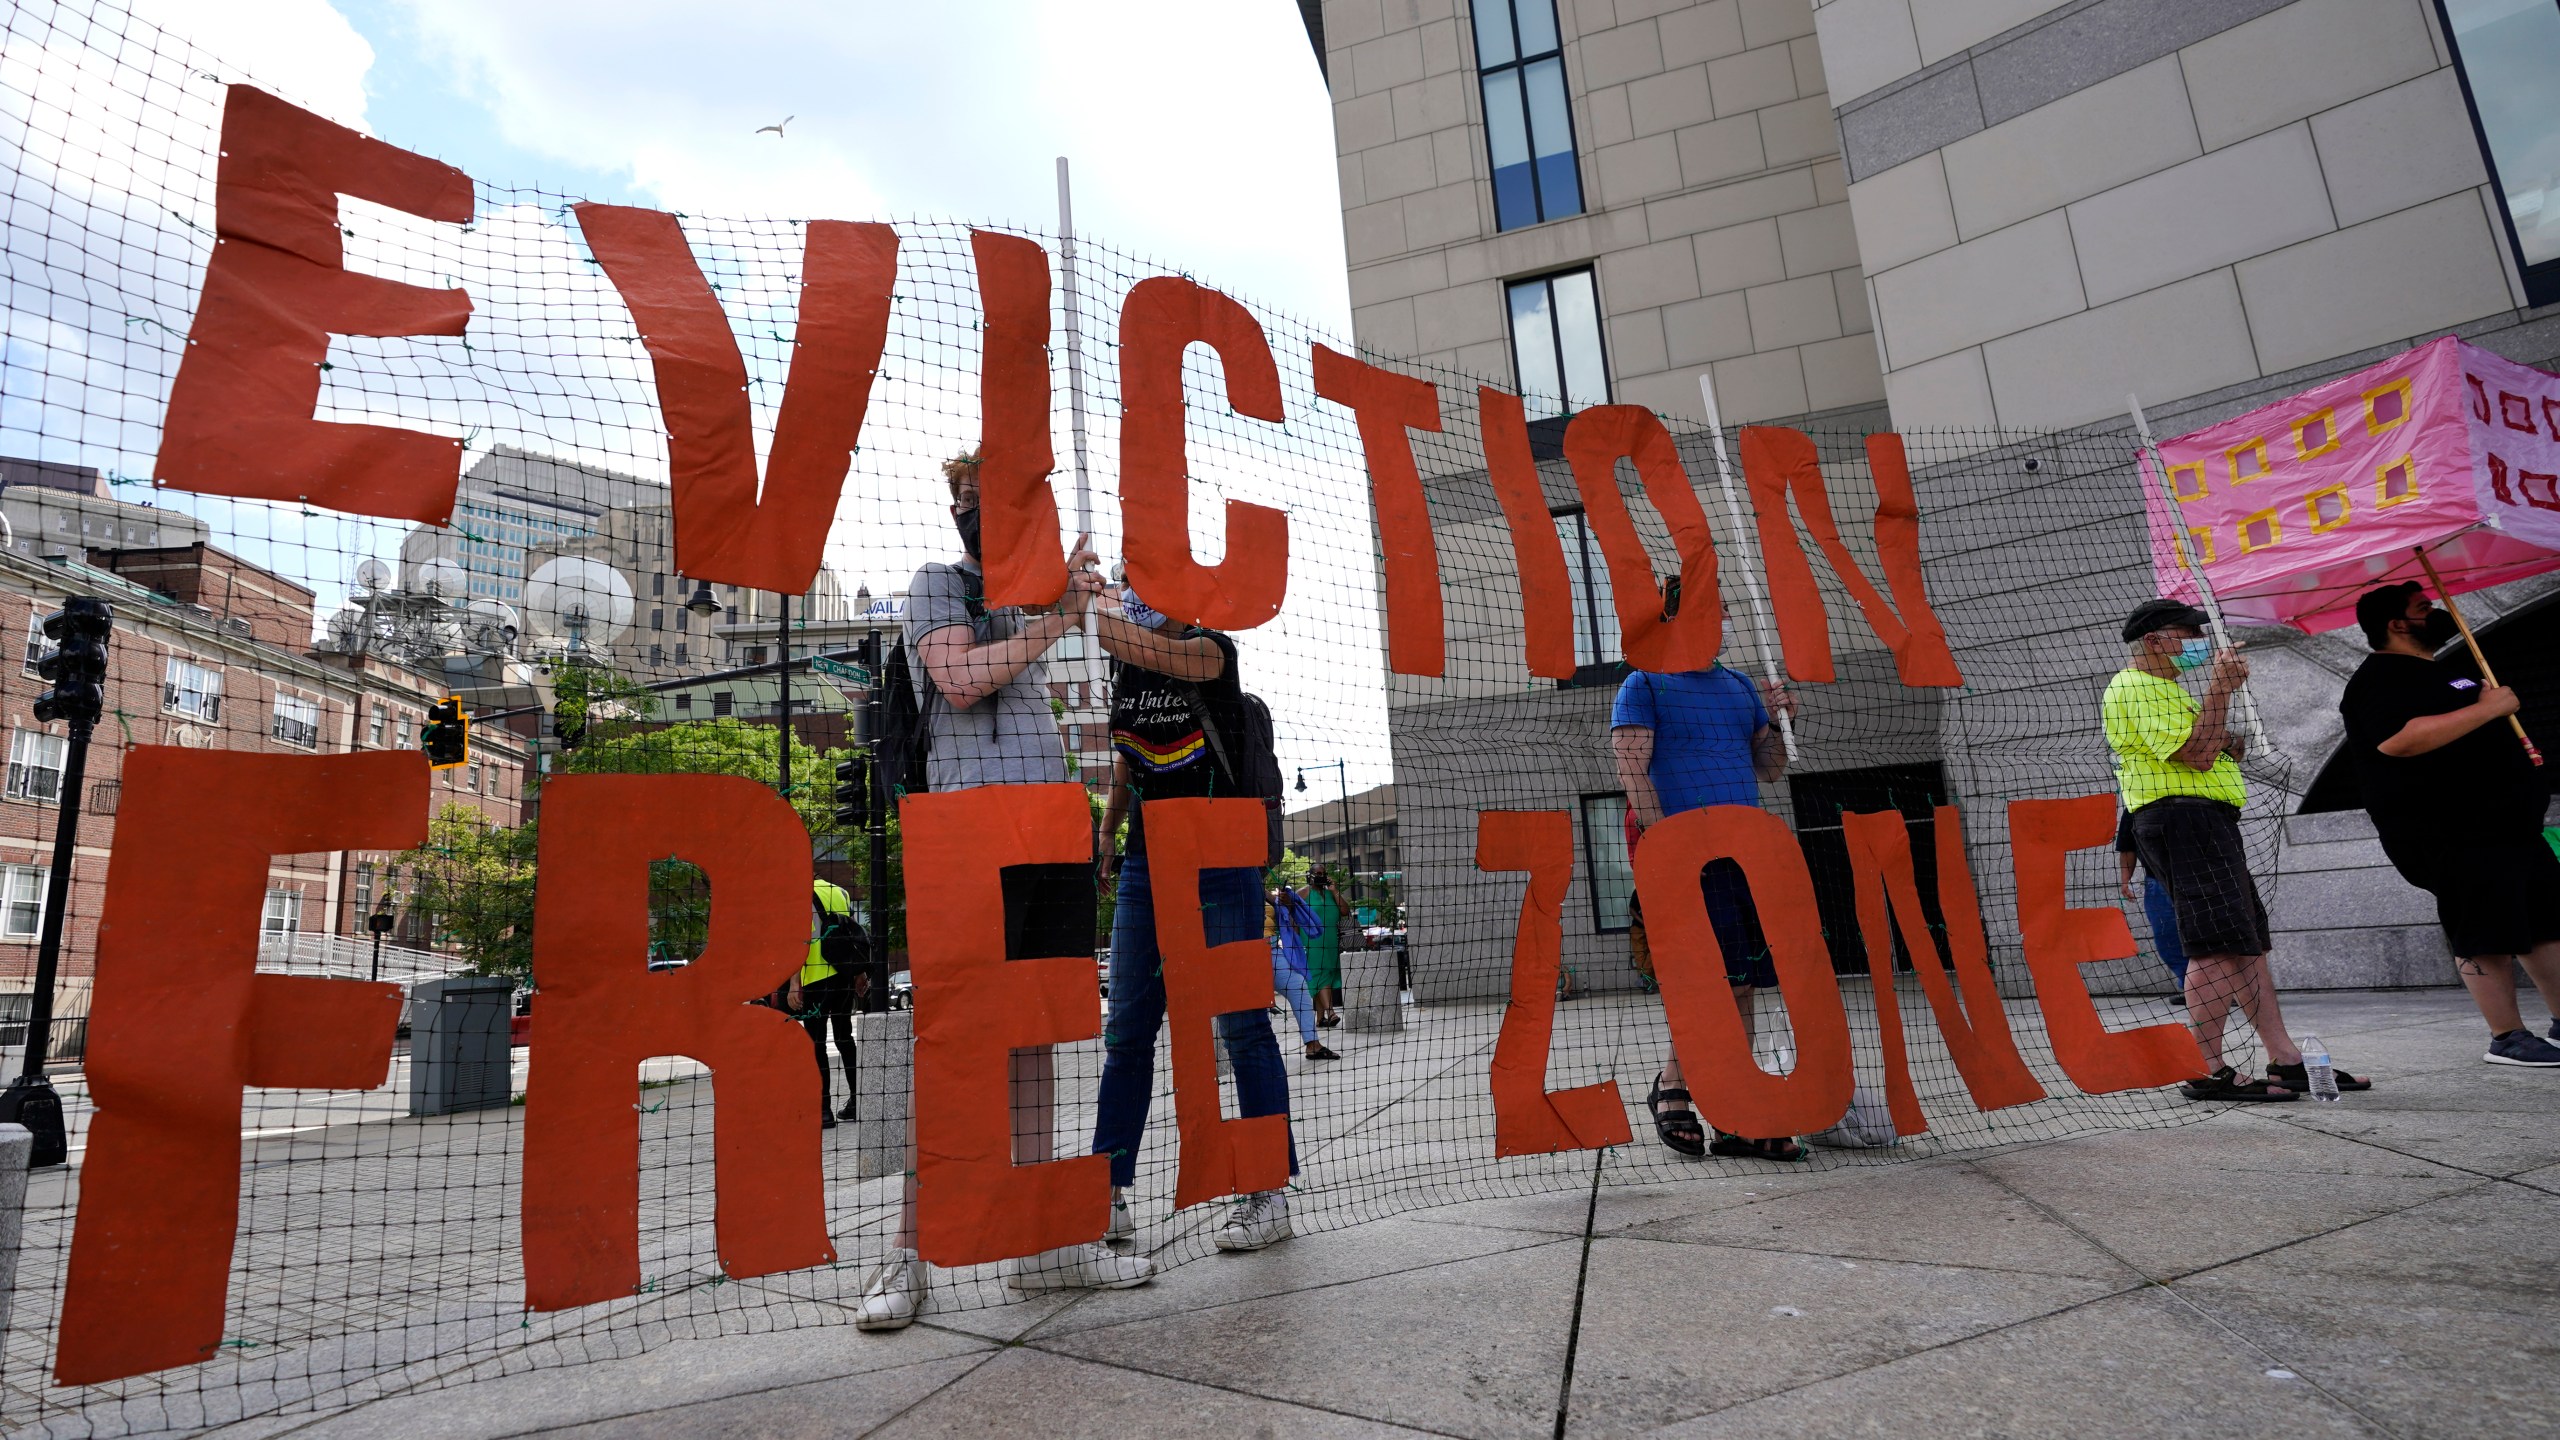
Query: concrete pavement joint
pixel 1237 1390
pixel 1581 1283
pixel 2167 1287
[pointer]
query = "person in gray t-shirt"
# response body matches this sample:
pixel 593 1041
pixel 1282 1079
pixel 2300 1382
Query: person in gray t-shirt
pixel 985 704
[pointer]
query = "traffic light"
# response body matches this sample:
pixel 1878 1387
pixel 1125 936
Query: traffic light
pixel 447 738
pixel 76 668
pixel 853 793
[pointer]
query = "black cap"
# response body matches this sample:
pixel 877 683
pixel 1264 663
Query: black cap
pixel 2376 609
pixel 2153 615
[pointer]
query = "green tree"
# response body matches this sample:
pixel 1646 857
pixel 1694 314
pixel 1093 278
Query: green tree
pixel 474 883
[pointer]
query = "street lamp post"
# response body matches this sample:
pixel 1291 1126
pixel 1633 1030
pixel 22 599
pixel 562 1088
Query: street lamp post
pixel 379 922
pixel 1342 773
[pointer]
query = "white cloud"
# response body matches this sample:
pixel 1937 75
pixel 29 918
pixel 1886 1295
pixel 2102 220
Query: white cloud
pixel 303 50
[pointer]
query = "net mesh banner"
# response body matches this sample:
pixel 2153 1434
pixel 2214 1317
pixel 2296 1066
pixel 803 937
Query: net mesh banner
pixel 382 1240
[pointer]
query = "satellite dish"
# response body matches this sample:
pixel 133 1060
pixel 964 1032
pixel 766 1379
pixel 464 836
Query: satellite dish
pixel 492 626
pixel 346 632
pixel 372 575
pixel 579 600
pixel 443 579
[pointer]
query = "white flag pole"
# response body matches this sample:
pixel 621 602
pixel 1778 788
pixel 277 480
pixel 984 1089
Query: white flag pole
pixel 2159 467
pixel 1089 669
pixel 1747 538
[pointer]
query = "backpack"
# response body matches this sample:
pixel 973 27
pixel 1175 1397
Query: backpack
pixel 841 942
pixel 903 747
pixel 1252 763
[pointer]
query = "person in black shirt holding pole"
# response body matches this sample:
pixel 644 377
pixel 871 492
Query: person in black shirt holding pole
pixel 2459 807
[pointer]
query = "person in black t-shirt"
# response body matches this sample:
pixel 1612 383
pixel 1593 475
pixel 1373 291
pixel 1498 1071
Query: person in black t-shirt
pixel 2459 808
pixel 1177 720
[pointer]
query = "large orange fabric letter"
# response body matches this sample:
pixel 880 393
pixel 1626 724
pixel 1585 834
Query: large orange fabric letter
pixel 1528 1118
pixel 723 531
pixel 974 1007
pixel 601 1012
pixel 172 1044
pixel 1018 512
pixel 1546 592
pixel 239 420
pixel 1594 442
pixel 1162 316
pixel 1778 462
pixel 1185 837
pixel 1976 1032
pixel 1732 1091
pixel 2060 939
pixel 1386 405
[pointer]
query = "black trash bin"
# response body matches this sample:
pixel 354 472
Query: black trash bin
pixel 459 1058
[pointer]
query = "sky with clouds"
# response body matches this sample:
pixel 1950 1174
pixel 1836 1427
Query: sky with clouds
pixel 1201 141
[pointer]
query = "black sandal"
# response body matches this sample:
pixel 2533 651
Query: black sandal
pixel 1667 1124
pixel 2297 1078
pixel 1782 1149
pixel 2226 1084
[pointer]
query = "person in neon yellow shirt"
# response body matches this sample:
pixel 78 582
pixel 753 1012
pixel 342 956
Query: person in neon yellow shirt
pixel 2178 764
pixel 827 988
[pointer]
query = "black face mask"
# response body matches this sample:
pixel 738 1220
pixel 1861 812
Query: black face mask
pixel 2437 630
pixel 967 521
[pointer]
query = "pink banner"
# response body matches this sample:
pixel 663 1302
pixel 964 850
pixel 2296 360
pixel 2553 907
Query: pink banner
pixel 2296 508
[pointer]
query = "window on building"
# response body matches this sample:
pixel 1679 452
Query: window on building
pixel 684 704
pixel 284 912
pixel 374 725
pixel 407 737
pixel 1555 344
pixel 297 720
pixel 680 658
pixel 35 765
pixel 36 643
pixel 364 887
pixel 1596 646
pixel 2508 52
pixel 720 703
pixel 1605 860
pixel 1528 124
pixel 658 619
pixel 192 690
pixel 21 901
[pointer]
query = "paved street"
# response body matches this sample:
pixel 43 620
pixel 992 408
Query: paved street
pixel 2380 1267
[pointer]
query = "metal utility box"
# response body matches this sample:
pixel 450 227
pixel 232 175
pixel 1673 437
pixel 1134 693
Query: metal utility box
pixel 459 1058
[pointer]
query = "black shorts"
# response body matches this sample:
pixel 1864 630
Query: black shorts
pixel 2192 847
pixel 1736 922
pixel 2494 895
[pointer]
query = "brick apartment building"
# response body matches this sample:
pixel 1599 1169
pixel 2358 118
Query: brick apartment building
pixel 209 651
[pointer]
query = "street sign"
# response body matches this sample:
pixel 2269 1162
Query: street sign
pixel 852 674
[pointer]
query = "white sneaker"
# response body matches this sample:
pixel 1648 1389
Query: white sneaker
pixel 895 1294
pixel 1091 1266
pixel 1258 1220
pixel 1122 1225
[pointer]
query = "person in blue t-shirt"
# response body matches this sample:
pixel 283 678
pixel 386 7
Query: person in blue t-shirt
pixel 1683 742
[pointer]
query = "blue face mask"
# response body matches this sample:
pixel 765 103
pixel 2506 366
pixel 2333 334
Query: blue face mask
pixel 2194 653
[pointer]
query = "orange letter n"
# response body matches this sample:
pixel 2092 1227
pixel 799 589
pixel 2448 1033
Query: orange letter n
pixel 1779 462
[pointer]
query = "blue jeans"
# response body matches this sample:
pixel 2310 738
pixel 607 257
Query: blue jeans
pixel 1291 982
pixel 1231 910
pixel 2164 926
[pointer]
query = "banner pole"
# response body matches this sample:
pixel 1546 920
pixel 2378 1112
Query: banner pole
pixel 1088 666
pixel 2151 460
pixel 1743 536
pixel 2532 752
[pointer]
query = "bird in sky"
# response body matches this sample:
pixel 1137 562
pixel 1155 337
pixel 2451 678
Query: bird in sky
pixel 776 130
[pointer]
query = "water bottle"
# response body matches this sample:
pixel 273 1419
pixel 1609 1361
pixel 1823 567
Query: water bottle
pixel 2317 1069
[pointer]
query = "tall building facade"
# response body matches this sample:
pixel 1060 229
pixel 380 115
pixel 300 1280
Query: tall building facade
pixel 511 504
pixel 1995 217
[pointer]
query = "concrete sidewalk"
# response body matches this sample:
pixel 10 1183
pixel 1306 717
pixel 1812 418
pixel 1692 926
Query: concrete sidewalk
pixel 2383 1266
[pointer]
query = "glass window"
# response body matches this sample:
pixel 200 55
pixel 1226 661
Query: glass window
pixel 2508 53
pixel 1595 605
pixel 284 912
pixel 35 765
pixel 21 901
pixel 192 690
pixel 1555 344
pixel 1604 858
pixel 364 887
pixel 1528 121
pixel 374 725
pixel 297 720
pixel 37 645
pixel 405 740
